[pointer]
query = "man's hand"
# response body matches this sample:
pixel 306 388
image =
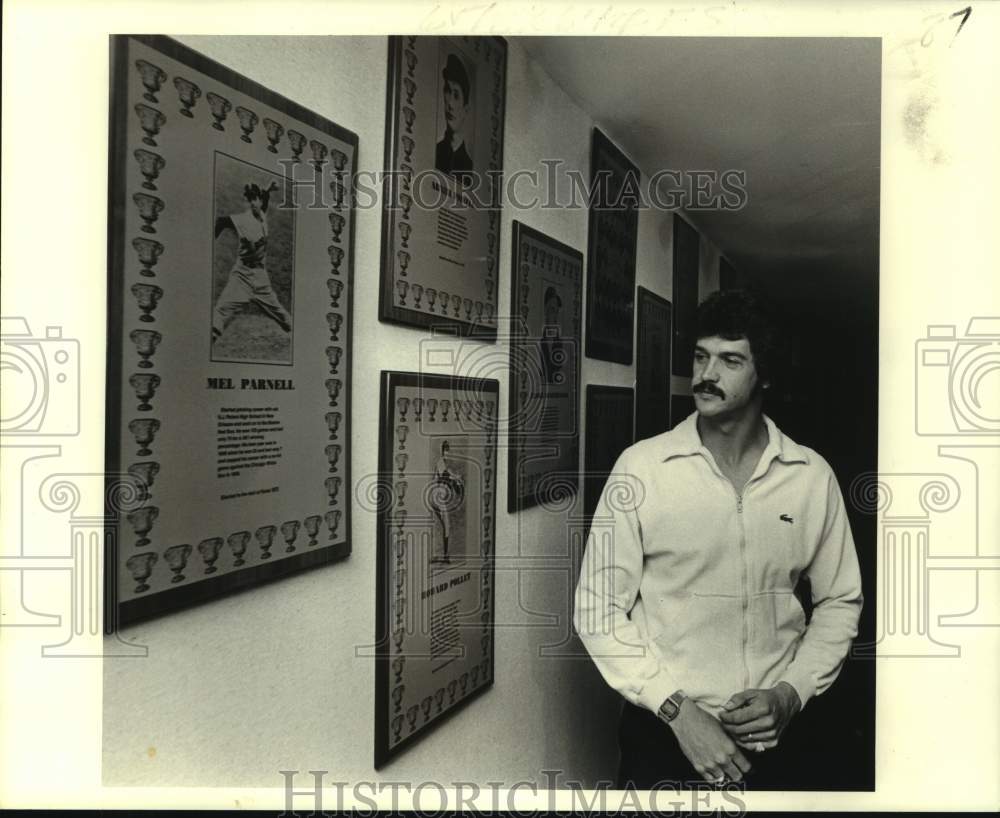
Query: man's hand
pixel 713 753
pixel 757 718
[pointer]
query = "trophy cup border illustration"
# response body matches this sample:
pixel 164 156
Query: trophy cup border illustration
pixel 411 135
pixel 417 412
pixel 172 110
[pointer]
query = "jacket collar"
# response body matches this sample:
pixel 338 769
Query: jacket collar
pixel 685 440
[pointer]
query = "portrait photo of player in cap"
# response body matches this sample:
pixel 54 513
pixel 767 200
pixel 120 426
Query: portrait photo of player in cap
pixel 456 119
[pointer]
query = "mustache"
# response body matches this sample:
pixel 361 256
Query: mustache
pixel 709 389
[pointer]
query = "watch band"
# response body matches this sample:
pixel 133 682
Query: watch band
pixel 671 706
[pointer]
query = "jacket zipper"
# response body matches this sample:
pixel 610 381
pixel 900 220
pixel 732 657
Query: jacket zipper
pixel 745 600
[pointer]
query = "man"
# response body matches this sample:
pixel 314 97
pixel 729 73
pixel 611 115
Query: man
pixel 248 281
pixel 553 356
pixel 451 155
pixel 446 496
pixel 686 597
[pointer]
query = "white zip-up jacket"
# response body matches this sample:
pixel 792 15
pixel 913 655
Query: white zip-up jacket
pixel 687 585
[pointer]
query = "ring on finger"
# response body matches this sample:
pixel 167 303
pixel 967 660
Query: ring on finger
pixel 759 747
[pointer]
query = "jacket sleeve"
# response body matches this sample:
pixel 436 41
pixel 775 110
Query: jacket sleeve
pixel 607 590
pixel 836 593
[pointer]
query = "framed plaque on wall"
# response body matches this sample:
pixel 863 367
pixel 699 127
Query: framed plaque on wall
pixel 611 251
pixel 686 252
pixel 544 403
pixel 435 564
pixel 609 432
pixel 652 368
pixel 444 156
pixel 229 330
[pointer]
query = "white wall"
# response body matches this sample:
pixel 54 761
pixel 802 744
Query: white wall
pixel 235 690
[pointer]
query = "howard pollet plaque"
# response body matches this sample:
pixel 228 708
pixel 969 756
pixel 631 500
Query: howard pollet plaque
pixel 436 535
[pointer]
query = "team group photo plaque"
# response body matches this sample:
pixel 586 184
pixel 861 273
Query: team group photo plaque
pixel 444 154
pixel 229 352
pixel 435 564
pixel 545 349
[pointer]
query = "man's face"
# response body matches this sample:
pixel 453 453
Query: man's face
pixel 454 105
pixel 725 377
pixel 257 206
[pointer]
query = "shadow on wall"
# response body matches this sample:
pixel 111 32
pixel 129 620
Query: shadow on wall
pixel 830 403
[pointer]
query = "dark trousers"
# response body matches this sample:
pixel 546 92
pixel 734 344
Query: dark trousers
pixel 651 756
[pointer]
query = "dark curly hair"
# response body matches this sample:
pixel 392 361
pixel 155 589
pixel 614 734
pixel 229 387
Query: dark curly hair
pixel 736 314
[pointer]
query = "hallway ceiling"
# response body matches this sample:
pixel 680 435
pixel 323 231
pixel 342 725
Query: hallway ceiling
pixel 800 115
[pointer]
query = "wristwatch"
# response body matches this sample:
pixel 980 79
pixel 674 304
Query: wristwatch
pixel 671 706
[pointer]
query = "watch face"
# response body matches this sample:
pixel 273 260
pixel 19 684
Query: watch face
pixel 668 710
